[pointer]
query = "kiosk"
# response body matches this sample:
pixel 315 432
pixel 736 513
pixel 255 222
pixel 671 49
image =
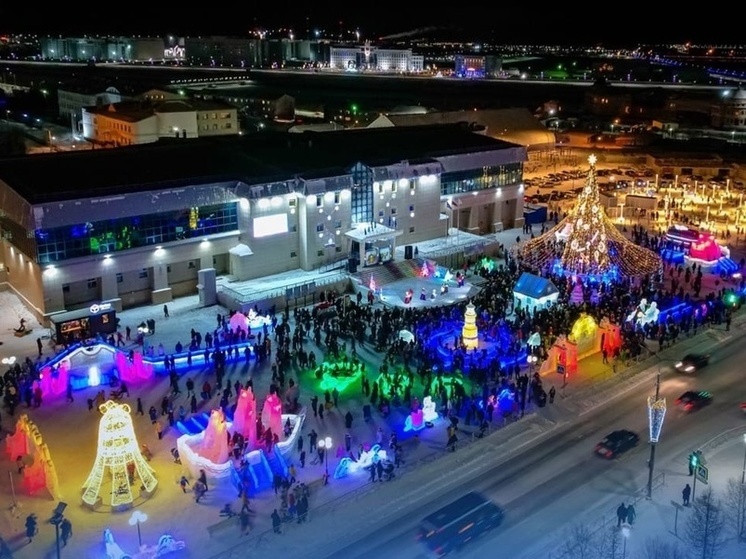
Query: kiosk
pixel 82 324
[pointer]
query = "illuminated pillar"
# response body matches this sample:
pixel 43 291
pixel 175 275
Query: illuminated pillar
pixel 469 333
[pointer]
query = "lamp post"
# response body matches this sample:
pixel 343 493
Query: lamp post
pixel 743 472
pixel 135 520
pixel 656 414
pixel 326 445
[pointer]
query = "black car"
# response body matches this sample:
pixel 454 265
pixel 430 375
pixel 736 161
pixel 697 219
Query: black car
pixel 616 443
pixel 691 362
pixel 691 400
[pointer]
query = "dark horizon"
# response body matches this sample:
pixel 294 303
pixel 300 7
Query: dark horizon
pixel 567 25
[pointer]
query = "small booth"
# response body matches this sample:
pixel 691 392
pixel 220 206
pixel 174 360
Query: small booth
pixel 534 293
pixel 82 324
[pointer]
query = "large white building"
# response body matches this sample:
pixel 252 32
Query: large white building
pixel 360 58
pixel 142 224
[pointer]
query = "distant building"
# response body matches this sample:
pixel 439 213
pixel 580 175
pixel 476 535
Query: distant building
pixel 477 66
pixel 361 58
pixel 147 120
pixel 102 49
pixel 730 112
pixel 70 103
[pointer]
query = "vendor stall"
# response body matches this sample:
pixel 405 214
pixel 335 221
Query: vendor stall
pixel 82 324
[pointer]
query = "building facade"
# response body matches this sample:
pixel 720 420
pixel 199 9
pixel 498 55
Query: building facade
pixel 141 223
pixel 102 49
pixel 473 66
pixel 360 58
pixel 149 119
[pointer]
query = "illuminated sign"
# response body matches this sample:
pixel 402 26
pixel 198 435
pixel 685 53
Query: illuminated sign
pixel 97 308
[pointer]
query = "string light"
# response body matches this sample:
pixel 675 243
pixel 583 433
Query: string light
pixel 590 243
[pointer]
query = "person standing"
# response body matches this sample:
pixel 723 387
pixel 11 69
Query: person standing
pixel 39 345
pixel 552 394
pixel 184 483
pixel 631 514
pixel 203 478
pixel 66 531
pixel 244 520
pixel 159 429
pixel 621 515
pixel 685 494
pixel 276 522
pixel 70 392
pixel 165 311
pixel 139 407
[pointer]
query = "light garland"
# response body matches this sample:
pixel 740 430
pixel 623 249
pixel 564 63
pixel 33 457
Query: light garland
pixel 592 245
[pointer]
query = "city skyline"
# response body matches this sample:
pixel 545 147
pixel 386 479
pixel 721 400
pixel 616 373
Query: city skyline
pixel 570 25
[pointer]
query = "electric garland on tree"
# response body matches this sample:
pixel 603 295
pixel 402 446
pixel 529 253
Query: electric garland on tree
pixel 588 243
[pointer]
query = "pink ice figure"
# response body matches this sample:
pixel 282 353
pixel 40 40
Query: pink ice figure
pixel 63 378
pixel 417 419
pixel 424 272
pixel 141 369
pixel 272 414
pixel 244 418
pixel 214 444
pixel 45 379
pixel 372 284
pixel 124 367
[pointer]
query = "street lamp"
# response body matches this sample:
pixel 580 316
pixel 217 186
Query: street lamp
pixel 135 520
pixel 743 472
pixel 326 446
pixel 656 414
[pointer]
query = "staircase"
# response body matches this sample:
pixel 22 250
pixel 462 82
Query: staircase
pixel 727 265
pixel 277 462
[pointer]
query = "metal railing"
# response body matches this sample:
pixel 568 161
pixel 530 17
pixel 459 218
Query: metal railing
pixel 251 297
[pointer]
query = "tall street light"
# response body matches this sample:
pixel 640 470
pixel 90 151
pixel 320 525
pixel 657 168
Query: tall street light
pixel 656 414
pixel 743 472
pixel 136 518
pixel 326 446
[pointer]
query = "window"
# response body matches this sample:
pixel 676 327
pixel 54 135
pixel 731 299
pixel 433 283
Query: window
pixel 338 224
pixel 168 268
pixel 319 201
pixel 393 211
pixel 92 283
pixel 337 249
pixel 292 202
pixel 319 253
pixel 411 229
pixel 336 197
pixel 411 208
pixel 66 288
pixel 120 278
pixel 380 213
pixel 320 228
pixel 192 264
pixel 143 274
pixel 293 254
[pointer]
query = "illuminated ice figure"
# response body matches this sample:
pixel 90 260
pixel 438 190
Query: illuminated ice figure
pixel 244 418
pixel 650 315
pixel 94 376
pixel 639 311
pixel 214 444
pixel 272 415
pixel 429 413
pixel 469 333
pixel 414 421
pixel 117 447
pixel 113 551
pixel 424 271
pixel 372 284
pixel 367 458
pixel 506 400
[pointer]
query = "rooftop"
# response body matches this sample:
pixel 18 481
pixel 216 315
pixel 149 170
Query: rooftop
pixel 250 159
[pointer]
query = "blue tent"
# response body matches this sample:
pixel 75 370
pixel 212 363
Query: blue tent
pixel 534 292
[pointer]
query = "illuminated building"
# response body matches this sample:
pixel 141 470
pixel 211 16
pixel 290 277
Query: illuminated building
pixel 477 66
pixel 151 222
pixel 587 244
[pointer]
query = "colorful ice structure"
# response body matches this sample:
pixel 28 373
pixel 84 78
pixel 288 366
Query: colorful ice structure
pixel 214 443
pixel 419 418
pixel 53 380
pixel 244 418
pixel 367 458
pixel 272 414
pixel 469 332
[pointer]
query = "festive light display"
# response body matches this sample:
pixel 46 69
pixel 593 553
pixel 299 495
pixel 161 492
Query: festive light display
pixel 367 458
pixel 117 447
pixel 656 415
pixel 338 374
pixel 587 243
pixel 470 333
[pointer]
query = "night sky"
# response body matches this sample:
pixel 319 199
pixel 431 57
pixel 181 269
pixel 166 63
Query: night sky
pixel 504 23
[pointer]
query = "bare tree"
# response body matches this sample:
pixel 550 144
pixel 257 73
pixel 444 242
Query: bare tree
pixel 612 543
pixel 734 504
pixel 656 548
pixel 706 527
pixel 578 543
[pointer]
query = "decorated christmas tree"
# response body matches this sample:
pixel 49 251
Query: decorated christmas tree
pixel 586 243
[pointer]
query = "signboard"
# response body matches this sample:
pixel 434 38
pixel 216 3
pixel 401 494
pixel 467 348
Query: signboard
pixel 97 308
pixel 560 368
pixel 702 473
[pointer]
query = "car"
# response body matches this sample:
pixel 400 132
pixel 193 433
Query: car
pixel 617 442
pixel 691 362
pixel 692 400
pixel 743 407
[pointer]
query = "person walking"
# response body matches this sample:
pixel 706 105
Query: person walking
pixel 552 394
pixel 621 515
pixel 66 531
pixel 159 429
pixel 139 407
pixel 70 392
pixel 631 514
pixel 199 490
pixel 203 479
pixel 244 521
pixel 31 528
pixel 685 494
pixel 165 311
pixel 184 482
pixel 302 458
pixel 39 345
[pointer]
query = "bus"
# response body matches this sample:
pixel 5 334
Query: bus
pixel 456 524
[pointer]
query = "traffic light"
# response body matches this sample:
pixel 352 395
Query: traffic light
pixel 694 460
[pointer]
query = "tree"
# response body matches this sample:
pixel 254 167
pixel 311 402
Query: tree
pixel 656 548
pixel 706 527
pixel 578 543
pixel 735 507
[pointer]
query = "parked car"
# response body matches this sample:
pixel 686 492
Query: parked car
pixel 617 442
pixel 691 400
pixel 692 362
